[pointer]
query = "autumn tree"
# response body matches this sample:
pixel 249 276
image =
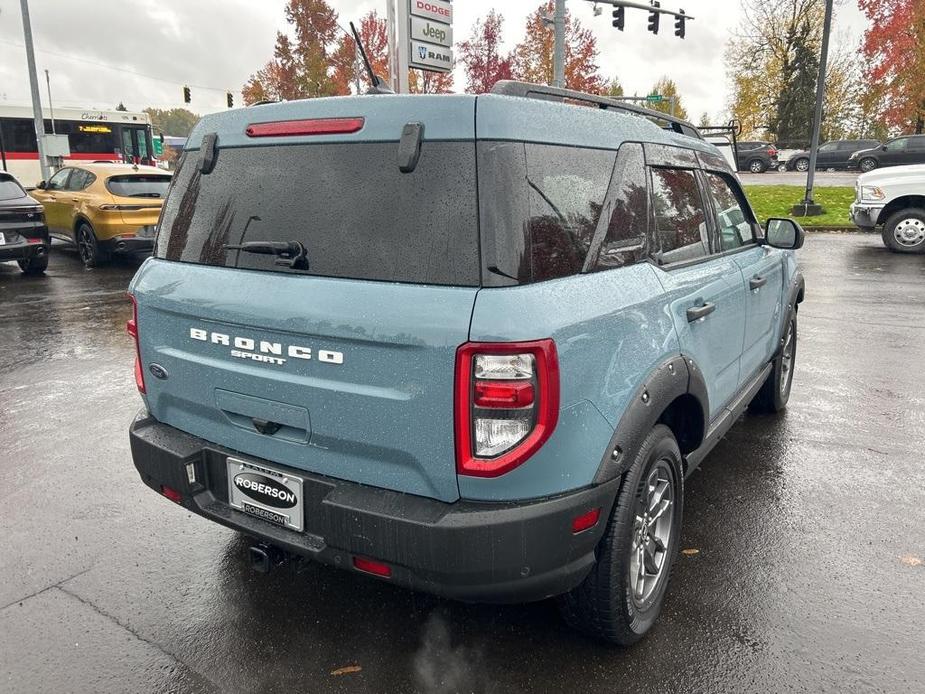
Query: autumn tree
pixel 482 57
pixel 174 121
pixel 346 59
pixel 533 57
pixel 894 46
pixel 667 88
pixel 301 68
pixel 613 88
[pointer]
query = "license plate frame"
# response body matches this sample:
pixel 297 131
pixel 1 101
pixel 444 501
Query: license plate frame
pixel 265 492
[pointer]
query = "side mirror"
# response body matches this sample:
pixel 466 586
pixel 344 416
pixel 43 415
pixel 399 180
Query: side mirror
pixel 784 233
pixel 883 147
pixel 41 185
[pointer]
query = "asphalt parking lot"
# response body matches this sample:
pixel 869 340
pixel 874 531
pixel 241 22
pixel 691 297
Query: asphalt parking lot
pixel 804 533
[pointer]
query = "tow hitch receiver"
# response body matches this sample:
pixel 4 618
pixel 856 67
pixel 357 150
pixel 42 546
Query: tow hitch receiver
pixel 265 556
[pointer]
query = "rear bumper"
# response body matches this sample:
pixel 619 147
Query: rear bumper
pixel 129 244
pixel 22 250
pixel 473 551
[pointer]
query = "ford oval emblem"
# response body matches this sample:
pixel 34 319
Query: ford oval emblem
pixel 265 489
pixel 157 371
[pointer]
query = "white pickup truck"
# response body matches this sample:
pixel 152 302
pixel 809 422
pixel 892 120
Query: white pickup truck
pixel 894 199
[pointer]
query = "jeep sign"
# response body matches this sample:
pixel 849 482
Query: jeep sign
pixel 433 9
pixel 432 32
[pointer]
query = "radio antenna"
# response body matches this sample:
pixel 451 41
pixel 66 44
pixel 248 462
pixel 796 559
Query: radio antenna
pixel 378 85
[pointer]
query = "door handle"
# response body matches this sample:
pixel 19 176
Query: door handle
pixel 698 312
pixel 757 282
pixel 75 199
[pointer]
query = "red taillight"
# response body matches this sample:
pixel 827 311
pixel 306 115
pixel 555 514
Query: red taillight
pixel 131 327
pixel 314 126
pixel 172 494
pixel 370 566
pixel 585 521
pixel 772 152
pixel 507 404
pixel 28 240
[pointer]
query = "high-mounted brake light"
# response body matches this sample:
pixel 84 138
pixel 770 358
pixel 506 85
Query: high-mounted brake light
pixel 313 126
pixel 507 404
pixel 131 327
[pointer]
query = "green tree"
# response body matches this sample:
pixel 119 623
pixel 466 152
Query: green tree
pixel 667 88
pixel 175 121
pixel 792 118
pixel 613 88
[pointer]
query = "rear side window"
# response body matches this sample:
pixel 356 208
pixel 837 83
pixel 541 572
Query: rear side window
pixel 627 203
pixel 568 185
pixel 356 214
pixel 680 217
pixel 80 179
pixel 10 189
pixel 138 186
pixel 917 144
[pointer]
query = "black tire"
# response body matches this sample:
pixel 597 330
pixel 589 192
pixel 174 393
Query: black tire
pixel 605 605
pixel 801 165
pixel 756 166
pixel 89 248
pixel 904 231
pixel 35 265
pixel 775 392
pixel 867 164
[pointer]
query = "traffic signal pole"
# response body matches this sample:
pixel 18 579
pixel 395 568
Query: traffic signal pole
pixel 559 53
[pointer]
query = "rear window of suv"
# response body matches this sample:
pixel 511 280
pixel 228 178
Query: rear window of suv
pixel 10 189
pixel 138 186
pixel 357 215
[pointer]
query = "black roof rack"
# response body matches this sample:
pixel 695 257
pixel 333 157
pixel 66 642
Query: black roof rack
pixel 541 91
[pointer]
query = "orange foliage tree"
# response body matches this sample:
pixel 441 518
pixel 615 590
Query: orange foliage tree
pixel 482 57
pixel 894 46
pixel 533 57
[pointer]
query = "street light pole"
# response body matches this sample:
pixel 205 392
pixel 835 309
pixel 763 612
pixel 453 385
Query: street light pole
pixel 558 79
pixel 808 207
pixel 34 87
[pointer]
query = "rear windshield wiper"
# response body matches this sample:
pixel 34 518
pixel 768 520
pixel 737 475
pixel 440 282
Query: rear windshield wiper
pixel 290 254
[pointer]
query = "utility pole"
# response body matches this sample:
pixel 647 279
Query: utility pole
pixel 34 87
pixel 808 208
pixel 558 23
pixel 51 108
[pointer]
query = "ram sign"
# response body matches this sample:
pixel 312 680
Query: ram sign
pixel 431 35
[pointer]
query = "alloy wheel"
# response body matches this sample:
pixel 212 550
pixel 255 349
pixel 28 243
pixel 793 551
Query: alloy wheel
pixel 652 528
pixel 909 232
pixel 868 165
pixel 802 166
pixel 85 244
pixel 756 167
pixel 786 361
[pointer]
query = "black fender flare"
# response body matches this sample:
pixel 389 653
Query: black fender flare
pixel 673 378
pixel 795 295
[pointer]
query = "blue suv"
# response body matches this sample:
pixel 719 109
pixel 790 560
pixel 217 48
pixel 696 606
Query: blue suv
pixel 471 345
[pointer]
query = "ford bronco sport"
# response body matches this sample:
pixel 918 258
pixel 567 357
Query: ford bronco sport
pixel 467 344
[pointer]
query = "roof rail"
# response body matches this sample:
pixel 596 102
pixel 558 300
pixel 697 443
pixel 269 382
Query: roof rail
pixel 529 90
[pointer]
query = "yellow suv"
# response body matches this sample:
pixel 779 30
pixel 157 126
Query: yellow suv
pixel 104 208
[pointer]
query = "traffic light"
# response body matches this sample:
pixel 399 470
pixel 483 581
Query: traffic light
pixel 654 17
pixel 230 100
pixel 186 95
pixel 619 18
pixel 679 24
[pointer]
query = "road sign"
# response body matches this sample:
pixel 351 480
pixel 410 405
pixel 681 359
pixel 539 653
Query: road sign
pixel 430 34
pixel 655 98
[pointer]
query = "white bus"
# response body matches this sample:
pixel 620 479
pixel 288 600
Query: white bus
pixel 110 136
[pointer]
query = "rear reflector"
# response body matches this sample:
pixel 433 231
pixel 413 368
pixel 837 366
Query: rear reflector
pixel 370 566
pixel 131 327
pixel 585 521
pixel 314 126
pixel 172 494
pixel 502 394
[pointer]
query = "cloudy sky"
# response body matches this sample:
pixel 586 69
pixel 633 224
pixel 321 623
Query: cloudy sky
pixel 141 52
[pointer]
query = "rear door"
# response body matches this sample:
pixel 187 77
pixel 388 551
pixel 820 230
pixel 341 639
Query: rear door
pixel 704 288
pixel 894 152
pixel 827 155
pixel 915 152
pixel 345 368
pixel 761 266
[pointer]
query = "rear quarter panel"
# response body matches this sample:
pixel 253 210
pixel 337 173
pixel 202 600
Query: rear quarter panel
pixel 611 330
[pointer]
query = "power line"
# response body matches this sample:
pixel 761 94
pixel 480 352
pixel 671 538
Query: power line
pixel 113 67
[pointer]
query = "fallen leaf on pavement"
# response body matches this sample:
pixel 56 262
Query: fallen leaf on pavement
pixel 346 670
pixel 911 560
pixel 690 552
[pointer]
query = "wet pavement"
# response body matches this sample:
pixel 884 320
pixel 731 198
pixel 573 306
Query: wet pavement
pixel 805 532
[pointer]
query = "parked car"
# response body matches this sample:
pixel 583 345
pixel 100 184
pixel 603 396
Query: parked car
pixel 468 350
pixel 23 234
pixel 104 208
pixel 909 149
pixel 756 157
pixel 893 199
pixel 831 155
